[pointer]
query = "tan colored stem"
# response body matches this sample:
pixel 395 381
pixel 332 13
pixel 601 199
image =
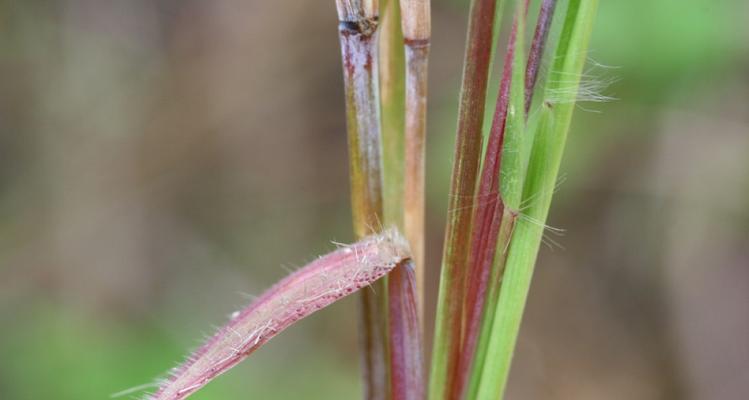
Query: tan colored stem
pixel 357 10
pixel 417 54
pixel 416 26
pixel 416 19
pixel 359 52
pixel 358 36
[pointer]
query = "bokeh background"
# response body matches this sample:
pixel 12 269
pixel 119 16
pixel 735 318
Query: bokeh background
pixel 161 160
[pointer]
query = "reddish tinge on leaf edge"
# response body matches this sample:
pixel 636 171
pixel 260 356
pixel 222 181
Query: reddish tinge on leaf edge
pixel 311 288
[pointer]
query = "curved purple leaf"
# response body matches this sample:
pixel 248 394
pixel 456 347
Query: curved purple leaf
pixel 311 288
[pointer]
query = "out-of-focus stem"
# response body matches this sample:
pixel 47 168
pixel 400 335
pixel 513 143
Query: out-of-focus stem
pixel 358 36
pixel 415 17
pixel 448 323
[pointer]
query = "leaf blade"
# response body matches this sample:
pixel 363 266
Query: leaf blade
pixel 309 289
pixel 538 189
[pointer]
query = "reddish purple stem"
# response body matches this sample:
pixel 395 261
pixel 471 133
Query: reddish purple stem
pixel 489 213
pixel 543 24
pixel 406 362
pixel 482 245
pixel 463 184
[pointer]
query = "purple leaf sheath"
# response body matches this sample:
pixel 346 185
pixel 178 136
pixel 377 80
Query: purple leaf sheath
pixel 406 361
pixel 311 288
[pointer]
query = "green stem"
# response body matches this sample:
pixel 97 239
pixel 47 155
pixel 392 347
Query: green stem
pixel 392 98
pixel 511 182
pixel 543 168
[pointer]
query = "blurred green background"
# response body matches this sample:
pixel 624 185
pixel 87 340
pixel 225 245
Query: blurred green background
pixel 159 160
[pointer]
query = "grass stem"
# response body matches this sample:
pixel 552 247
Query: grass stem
pixel 416 34
pixel 486 227
pixel 538 188
pixel 358 33
pixel 482 27
pixel 392 99
pixel 492 266
pixel 406 356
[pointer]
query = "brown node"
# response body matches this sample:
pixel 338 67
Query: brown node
pixel 365 27
pixel 416 43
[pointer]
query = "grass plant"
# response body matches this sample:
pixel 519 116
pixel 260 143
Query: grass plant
pixel 497 208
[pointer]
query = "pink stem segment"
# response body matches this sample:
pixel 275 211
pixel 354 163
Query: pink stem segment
pixel 406 362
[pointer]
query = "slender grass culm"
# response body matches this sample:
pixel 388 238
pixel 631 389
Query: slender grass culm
pixel 499 200
pixel 482 27
pixel 358 31
pixel 540 180
pixel 416 38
